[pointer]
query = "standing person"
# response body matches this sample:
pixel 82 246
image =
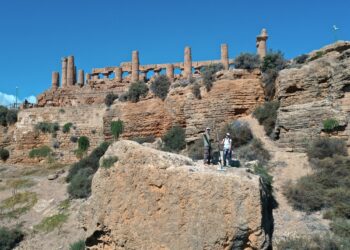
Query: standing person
pixel 207 146
pixel 227 141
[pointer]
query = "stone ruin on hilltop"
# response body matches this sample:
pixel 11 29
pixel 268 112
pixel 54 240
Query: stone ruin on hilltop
pixel 75 87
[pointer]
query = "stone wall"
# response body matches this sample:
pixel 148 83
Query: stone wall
pixel 87 121
pixel 312 93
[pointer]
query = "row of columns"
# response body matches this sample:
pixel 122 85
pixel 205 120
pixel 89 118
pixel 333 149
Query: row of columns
pixel 68 77
pixel 69 74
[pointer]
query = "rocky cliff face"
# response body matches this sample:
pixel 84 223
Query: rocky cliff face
pixel 236 93
pixel 156 200
pixel 312 93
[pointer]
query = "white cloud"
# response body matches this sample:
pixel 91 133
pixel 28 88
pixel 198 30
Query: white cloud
pixel 6 99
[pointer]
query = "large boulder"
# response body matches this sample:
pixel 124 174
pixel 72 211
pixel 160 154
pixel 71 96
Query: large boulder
pixel 151 199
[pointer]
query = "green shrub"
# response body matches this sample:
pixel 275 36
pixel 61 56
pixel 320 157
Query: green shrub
pixel 160 86
pixel 3 114
pixel 196 150
pixel 48 224
pixel 11 116
pixel 208 74
pixel 330 125
pixel 108 162
pixel 240 132
pixel 247 61
pixel 66 127
pixel 80 174
pixel 341 228
pixel 273 60
pixel 301 59
pixel 318 55
pixel 196 91
pixel 272 63
pixel 326 147
pixel 4 154
pixel 137 90
pixel 79 245
pixel 47 127
pixel 109 99
pixel 43 151
pixel 83 143
pixel 117 128
pixel 174 139
pixel 254 150
pixel 9 238
pixel 144 139
pixel 267 116
pixel 314 242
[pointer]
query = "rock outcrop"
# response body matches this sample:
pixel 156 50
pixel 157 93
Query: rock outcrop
pixel 312 93
pixel 236 93
pixel 156 200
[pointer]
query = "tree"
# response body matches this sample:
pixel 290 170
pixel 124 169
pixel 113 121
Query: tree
pixel 247 61
pixel 117 128
pixel 160 86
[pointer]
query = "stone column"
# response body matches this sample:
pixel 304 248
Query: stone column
pixel 70 71
pixel 187 63
pixel 170 71
pixel 224 56
pixel 81 77
pixel 55 80
pixel 87 77
pixel 135 66
pixel 261 43
pixel 118 74
pixel 64 72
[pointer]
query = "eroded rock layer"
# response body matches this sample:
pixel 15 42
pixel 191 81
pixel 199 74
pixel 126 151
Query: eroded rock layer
pixel 318 90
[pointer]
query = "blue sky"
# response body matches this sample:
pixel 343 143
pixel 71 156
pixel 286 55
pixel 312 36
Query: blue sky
pixel 35 34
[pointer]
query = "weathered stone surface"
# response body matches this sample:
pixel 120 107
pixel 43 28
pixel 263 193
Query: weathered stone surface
pixel 228 100
pixel 317 91
pixel 87 121
pixel 164 201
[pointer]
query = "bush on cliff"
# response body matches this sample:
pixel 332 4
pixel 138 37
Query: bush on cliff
pixel 66 127
pixel 9 238
pixel 240 133
pixel 80 174
pixel 83 143
pixel 208 74
pixel 47 127
pixel 326 147
pixel 327 188
pixel 117 128
pixel 42 151
pixel 160 86
pixel 254 150
pixel 330 125
pixel 174 139
pixel 196 150
pixel 7 116
pixel 109 99
pixel 247 61
pixel 266 114
pixel 4 154
pixel 272 63
pixel 137 90
pixel 301 59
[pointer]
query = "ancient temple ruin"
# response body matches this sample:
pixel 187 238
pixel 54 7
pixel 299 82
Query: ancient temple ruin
pixel 100 81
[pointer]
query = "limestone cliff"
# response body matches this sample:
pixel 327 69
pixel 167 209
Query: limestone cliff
pixel 312 93
pixel 156 200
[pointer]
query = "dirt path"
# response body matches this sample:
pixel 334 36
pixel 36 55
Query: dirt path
pixel 287 166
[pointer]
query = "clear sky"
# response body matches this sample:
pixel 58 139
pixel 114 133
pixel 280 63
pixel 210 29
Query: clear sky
pixel 35 34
